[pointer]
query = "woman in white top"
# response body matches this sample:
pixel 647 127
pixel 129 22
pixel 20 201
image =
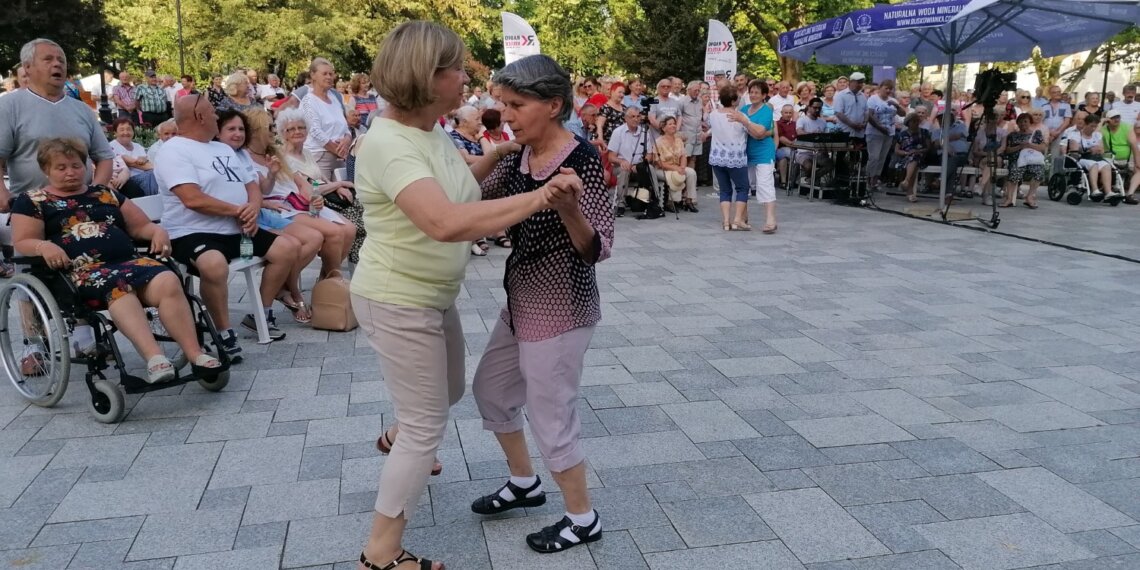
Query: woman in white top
pixel 329 139
pixel 233 129
pixel 336 233
pixel 134 155
pixel 728 157
pixel 293 128
pixel 1089 143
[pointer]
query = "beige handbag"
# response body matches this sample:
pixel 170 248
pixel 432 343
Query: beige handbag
pixel 332 306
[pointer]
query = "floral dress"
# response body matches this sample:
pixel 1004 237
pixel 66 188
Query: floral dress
pixel 614 119
pixel 92 231
pixel 1020 174
pixel 907 141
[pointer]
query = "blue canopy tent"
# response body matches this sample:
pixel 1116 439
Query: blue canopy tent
pixel 948 32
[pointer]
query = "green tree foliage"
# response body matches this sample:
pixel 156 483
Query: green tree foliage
pixel 78 26
pixel 769 19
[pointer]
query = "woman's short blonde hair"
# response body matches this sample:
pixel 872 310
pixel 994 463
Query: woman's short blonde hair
pixel 233 82
pixel 409 58
pixel 65 147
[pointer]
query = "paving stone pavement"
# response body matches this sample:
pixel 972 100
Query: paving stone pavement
pixel 858 391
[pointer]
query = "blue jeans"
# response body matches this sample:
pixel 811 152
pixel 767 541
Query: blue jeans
pixel 728 178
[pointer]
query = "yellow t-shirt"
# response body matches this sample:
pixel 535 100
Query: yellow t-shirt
pixel 399 264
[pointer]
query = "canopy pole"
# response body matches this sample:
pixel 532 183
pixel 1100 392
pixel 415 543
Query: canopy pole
pixel 1104 84
pixel 947 120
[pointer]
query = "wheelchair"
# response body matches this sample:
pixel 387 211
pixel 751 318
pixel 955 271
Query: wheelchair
pixel 39 314
pixel 1071 182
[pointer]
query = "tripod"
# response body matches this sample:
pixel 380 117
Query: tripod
pixel 988 118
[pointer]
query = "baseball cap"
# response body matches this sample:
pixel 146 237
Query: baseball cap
pixel 857 76
pixel 1113 114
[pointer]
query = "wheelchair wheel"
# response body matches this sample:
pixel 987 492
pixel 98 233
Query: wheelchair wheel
pixel 1074 198
pixel 1057 187
pixel 217 384
pixel 108 402
pixel 33 347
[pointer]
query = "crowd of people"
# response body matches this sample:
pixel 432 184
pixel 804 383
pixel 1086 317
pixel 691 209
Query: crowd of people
pixel 533 161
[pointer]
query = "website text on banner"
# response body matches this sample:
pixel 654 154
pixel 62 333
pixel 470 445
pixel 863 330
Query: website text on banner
pixel 519 39
pixel 720 52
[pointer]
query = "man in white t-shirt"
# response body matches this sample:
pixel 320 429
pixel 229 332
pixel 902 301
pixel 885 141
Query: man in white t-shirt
pixel 209 201
pixel 1129 107
pixel 782 97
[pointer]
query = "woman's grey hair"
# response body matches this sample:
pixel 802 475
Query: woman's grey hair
pixel 286 116
pixel 28 51
pixel 467 112
pixel 232 83
pixel 541 77
pixel 317 63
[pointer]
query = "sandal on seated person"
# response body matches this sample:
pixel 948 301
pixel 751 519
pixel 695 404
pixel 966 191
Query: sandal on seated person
pixel 205 366
pixel 405 556
pixel 159 369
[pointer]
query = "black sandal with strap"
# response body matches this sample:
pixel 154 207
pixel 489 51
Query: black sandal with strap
pixel 494 503
pixel 550 538
pixel 404 556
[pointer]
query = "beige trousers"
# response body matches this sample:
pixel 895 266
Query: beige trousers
pixel 421 355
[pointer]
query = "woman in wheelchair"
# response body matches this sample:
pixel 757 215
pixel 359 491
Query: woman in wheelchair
pixel 86 232
pixel 1088 143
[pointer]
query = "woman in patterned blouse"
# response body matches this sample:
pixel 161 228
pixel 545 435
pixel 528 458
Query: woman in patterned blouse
pixel 535 354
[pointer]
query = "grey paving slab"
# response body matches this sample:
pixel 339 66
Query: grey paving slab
pixel 1000 542
pixel 247 558
pixel 963 496
pixel 288 501
pixel 912 375
pixel 860 484
pixel 196 532
pixel 640 449
pixel 944 456
pixel 1054 500
pixel 768 555
pixel 258 462
pixel 709 421
pixel 814 527
pixel 1040 417
pixel 716 521
pixel 900 407
pixel 853 430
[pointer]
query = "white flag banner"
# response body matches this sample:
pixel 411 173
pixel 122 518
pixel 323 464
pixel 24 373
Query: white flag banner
pixel 720 52
pixel 519 39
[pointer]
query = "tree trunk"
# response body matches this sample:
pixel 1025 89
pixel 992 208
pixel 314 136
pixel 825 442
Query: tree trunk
pixel 791 70
pixel 1075 76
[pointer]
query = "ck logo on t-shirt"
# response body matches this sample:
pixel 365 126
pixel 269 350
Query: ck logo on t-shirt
pixel 221 165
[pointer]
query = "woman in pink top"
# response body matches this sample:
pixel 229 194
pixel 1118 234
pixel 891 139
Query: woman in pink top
pixel 535 354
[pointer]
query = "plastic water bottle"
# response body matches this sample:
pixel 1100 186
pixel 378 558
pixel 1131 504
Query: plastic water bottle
pixel 314 210
pixel 246 249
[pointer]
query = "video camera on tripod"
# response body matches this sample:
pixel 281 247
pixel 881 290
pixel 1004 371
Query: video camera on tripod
pixel 990 84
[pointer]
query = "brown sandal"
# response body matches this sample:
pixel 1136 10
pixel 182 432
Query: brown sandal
pixel 384 445
pixel 404 556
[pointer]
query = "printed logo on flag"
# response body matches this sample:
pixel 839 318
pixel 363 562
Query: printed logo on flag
pixel 519 41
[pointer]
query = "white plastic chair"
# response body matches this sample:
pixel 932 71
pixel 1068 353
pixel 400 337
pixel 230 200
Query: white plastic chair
pixel 152 207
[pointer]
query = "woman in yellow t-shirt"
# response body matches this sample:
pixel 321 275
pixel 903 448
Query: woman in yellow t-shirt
pixel 421 211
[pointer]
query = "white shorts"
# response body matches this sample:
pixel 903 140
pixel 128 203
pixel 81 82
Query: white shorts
pixel 765 182
pixel 1088 164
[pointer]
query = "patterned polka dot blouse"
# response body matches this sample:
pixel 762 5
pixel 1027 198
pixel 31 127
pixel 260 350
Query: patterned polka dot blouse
pixel 551 288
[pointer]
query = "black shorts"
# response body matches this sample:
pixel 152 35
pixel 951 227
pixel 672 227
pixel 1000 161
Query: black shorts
pixel 187 248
